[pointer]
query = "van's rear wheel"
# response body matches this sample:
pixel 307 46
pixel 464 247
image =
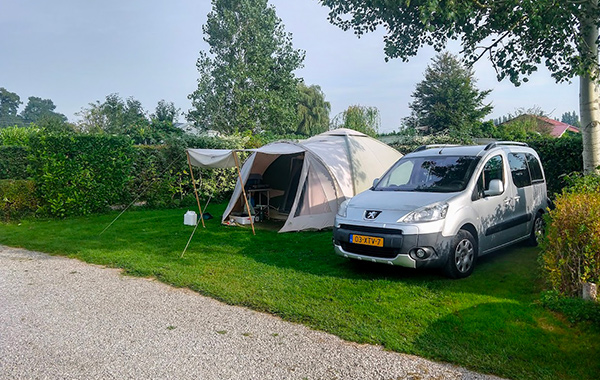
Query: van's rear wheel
pixel 463 256
pixel 537 231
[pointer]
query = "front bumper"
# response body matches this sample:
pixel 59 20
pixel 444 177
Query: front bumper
pixel 398 248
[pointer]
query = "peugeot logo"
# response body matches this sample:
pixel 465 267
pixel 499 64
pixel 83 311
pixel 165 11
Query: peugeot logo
pixel 372 214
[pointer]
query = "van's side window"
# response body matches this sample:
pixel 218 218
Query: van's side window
pixel 519 169
pixel 534 168
pixel 493 169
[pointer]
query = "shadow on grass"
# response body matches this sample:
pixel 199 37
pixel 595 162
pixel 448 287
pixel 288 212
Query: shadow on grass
pixel 526 346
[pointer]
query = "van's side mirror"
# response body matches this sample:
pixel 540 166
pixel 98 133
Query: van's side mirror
pixel 496 188
pixel 375 182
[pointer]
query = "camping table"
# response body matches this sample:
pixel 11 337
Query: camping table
pixel 260 194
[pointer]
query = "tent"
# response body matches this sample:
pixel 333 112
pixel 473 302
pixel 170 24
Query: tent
pixel 302 182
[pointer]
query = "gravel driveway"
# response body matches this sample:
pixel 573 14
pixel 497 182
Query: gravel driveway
pixel 64 319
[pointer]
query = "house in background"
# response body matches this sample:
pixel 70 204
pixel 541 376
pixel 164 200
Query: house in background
pixel 544 124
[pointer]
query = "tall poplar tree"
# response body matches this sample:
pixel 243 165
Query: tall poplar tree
pixel 247 80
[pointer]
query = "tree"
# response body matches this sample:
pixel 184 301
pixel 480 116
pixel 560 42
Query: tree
pixel 447 99
pixel 247 80
pixel 313 110
pixel 360 118
pixel 38 108
pixel 9 105
pixel 571 118
pixel 516 35
pixel 164 117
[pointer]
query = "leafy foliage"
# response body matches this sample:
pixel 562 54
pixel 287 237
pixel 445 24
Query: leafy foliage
pixel 9 105
pixel 571 118
pixel 447 98
pixel 575 309
pixel 17 135
pixel 571 249
pixel 13 162
pixel 38 109
pixel 516 35
pixel 116 116
pixel 79 174
pixel 559 157
pixel 17 198
pixel 313 110
pixel 363 119
pixel 161 175
pixel 246 79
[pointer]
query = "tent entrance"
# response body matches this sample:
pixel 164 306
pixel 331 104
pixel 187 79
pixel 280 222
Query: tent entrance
pixel 283 176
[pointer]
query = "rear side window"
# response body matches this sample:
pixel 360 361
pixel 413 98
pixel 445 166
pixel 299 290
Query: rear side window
pixel 535 169
pixel 519 169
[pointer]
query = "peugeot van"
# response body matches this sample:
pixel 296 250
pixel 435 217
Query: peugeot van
pixel 443 206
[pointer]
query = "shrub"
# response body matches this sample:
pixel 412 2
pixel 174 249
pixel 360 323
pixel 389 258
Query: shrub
pixel 79 174
pixel 13 162
pixel 161 175
pixel 17 198
pixel 571 249
pixel 560 156
pixel 575 309
pixel 17 135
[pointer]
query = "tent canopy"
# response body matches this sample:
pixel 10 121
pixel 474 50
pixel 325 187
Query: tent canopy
pixel 304 181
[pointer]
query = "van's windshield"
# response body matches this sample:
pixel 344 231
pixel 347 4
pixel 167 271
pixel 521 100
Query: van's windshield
pixel 444 174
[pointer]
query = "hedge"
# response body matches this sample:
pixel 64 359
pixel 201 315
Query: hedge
pixel 560 156
pixel 79 174
pixel 161 175
pixel 13 162
pixel 17 198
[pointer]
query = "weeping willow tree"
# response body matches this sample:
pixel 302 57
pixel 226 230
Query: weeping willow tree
pixel 313 110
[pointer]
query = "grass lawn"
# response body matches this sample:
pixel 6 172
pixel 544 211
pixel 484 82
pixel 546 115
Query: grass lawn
pixel 490 322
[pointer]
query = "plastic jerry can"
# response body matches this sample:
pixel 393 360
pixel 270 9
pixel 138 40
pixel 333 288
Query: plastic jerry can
pixel 190 218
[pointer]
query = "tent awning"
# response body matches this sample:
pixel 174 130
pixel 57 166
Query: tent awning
pixel 223 158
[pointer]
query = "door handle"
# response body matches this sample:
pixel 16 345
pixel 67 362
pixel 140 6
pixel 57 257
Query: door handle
pixel 507 201
pixel 517 198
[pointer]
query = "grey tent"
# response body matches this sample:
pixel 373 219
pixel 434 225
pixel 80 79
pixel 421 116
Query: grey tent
pixel 304 181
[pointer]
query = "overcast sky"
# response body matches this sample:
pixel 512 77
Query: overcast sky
pixel 76 52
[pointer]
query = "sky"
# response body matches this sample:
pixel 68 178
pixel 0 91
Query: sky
pixel 77 52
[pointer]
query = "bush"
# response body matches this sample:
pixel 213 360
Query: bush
pixel 13 162
pixel 17 135
pixel 571 249
pixel 575 309
pixel 161 175
pixel 79 174
pixel 17 198
pixel 408 142
pixel 560 156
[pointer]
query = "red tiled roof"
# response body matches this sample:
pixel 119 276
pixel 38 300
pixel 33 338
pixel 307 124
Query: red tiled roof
pixel 558 127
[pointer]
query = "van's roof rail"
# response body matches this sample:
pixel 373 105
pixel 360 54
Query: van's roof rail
pixel 423 147
pixel 500 143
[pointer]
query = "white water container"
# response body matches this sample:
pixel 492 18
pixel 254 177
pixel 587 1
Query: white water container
pixel 190 218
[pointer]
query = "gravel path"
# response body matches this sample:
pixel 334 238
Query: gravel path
pixel 64 319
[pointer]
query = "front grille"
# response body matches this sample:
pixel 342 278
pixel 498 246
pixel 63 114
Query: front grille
pixel 373 230
pixel 382 252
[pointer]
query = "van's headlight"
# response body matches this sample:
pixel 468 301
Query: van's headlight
pixel 436 211
pixel 343 209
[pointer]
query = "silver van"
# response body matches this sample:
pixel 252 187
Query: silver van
pixel 443 206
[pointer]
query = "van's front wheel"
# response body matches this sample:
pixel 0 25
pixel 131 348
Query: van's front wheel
pixel 463 256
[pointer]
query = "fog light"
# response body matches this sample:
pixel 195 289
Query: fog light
pixel 421 253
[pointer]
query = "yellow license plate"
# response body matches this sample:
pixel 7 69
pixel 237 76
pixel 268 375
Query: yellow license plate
pixel 366 240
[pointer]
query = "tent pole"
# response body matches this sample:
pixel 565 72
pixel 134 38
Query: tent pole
pixel 195 192
pixel 237 165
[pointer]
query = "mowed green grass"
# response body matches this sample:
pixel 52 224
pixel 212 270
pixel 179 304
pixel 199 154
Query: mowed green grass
pixel 490 322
